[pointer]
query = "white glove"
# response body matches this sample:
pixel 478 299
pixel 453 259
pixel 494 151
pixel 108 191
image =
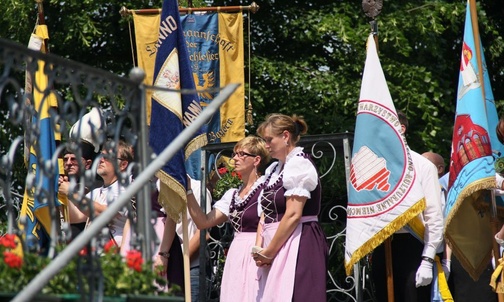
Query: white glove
pixel 424 274
pixel 446 264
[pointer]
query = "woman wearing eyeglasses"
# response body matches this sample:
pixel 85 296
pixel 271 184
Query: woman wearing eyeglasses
pixel 239 280
pixel 293 258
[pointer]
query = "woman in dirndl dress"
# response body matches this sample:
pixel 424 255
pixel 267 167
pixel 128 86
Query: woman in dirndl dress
pixel 293 258
pixel 240 207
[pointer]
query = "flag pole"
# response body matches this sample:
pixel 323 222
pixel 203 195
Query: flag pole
pixel 372 10
pixel 185 249
pixel 388 242
pixel 56 212
pixel 253 8
pixel 477 44
pixel 41 21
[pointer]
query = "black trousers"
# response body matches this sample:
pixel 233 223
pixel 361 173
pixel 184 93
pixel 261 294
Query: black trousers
pixel 464 289
pixel 406 258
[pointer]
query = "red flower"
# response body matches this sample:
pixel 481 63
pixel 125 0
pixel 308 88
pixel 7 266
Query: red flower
pixel 8 241
pixel 12 260
pixel 222 170
pixel 83 252
pixel 134 260
pixel 110 247
pixel 236 174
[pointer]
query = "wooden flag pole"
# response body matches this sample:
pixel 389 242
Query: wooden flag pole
pixel 253 8
pixel 185 244
pixel 372 9
pixel 390 274
pixel 477 45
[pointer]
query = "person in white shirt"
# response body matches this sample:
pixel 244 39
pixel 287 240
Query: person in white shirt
pixel 112 157
pixel 413 260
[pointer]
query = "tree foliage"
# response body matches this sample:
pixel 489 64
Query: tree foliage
pixel 307 57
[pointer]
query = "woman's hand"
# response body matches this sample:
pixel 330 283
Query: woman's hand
pixel 262 258
pixel 161 265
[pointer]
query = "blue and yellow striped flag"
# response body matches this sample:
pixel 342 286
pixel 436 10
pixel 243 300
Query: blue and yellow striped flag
pixel 38 219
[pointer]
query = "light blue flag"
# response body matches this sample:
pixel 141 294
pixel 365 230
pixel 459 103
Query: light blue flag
pixel 472 171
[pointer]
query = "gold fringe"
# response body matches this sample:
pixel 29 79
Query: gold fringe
pixel 196 143
pixel 474 187
pixel 250 120
pixel 172 196
pixel 18 250
pixel 386 232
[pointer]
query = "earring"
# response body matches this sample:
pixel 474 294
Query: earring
pixel 286 143
pixel 255 171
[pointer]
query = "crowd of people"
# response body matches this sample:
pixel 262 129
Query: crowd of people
pixel 279 250
pixel 278 242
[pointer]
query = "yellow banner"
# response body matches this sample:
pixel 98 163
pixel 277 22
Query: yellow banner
pixel 232 71
pixel 146 35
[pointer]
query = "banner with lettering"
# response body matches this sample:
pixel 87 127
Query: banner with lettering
pixel 173 111
pixel 146 35
pixel 215 45
pixel 384 193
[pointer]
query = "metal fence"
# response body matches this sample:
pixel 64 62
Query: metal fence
pixel 77 88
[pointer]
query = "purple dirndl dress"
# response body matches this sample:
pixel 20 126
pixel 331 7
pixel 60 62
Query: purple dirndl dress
pixel 298 272
pixel 240 278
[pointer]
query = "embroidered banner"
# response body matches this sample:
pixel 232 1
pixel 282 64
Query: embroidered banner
pixel 383 193
pixel 472 171
pixel 215 46
pixel 173 111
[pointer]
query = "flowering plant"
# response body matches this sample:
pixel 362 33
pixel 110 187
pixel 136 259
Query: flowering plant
pixel 128 275
pixel 228 179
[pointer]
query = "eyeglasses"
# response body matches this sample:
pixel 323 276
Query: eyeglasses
pixel 110 156
pixel 242 154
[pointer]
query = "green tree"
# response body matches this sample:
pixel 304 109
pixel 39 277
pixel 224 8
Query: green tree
pixel 307 56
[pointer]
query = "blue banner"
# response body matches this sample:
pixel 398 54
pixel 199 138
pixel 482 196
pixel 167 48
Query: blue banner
pixel 173 111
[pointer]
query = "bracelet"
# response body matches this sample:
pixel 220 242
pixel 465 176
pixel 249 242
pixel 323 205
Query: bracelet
pixel 164 254
pixel 428 259
pixel 189 192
